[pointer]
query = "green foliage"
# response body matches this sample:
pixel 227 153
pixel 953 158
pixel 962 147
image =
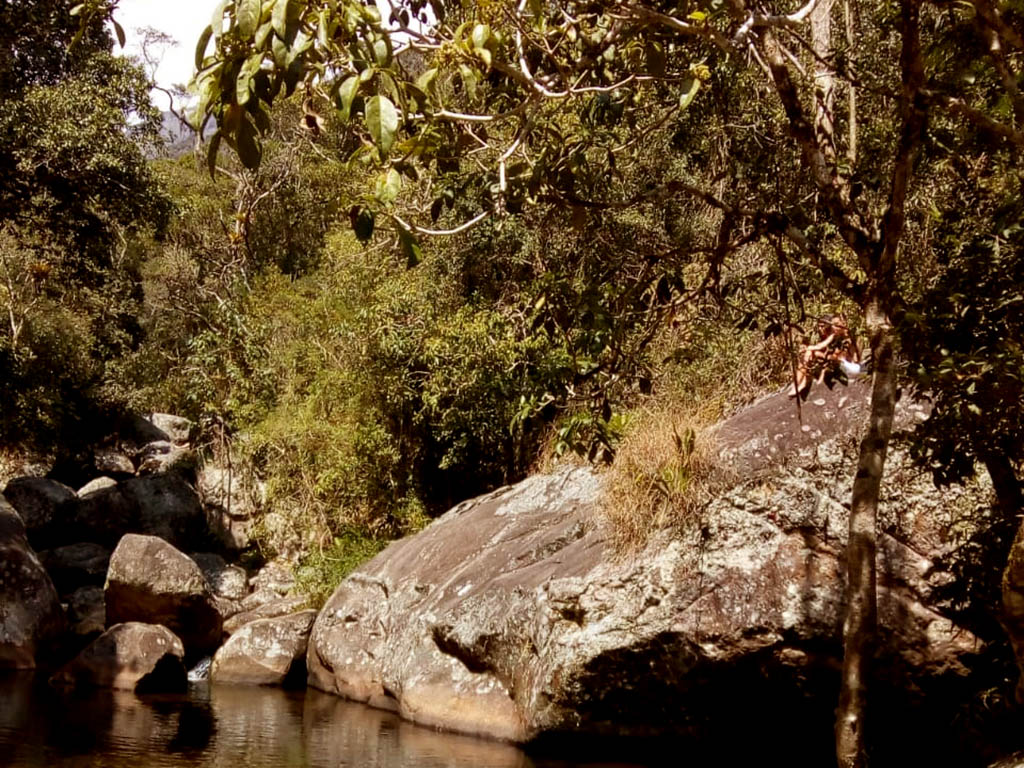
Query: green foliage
pixel 69 289
pixel 321 571
pixel 963 341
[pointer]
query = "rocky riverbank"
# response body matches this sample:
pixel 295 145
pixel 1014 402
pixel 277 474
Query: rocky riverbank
pixel 511 616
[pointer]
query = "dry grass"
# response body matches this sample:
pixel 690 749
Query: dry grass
pixel 664 474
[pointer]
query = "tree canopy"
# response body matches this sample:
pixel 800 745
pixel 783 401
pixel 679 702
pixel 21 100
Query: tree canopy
pixel 75 187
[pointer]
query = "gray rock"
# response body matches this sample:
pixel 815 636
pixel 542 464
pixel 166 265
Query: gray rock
pixel 115 463
pixel 164 456
pixel 156 505
pixel 86 613
pixel 150 581
pixel 281 606
pixel 259 597
pixel 44 506
pixel 509 616
pixel 232 498
pixel 132 656
pixel 96 485
pixel 31 618
pixel 138 431
pixel 276 576
pixel 76 565
pixel 177 428
pixel 264 652
pixel 228 581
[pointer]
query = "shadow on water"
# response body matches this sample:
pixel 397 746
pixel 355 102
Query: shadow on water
pixel 227 726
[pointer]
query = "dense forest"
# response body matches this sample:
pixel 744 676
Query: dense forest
pixel 422 256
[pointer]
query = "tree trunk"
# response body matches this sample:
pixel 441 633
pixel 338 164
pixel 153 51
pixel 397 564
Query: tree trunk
pixel 861 608
pixel 1009 498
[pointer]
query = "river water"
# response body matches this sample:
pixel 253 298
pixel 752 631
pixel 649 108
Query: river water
pixel 228 727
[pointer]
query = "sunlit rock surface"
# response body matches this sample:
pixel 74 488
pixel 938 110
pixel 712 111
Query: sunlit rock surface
pixel 510 617
pixel 131 656
pixel 265 652
pixel 151 581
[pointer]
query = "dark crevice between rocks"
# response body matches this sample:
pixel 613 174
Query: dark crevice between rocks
pixel 168 676
pixel 295 679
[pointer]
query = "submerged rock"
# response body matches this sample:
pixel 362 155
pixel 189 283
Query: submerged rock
pixel 265 652
pixel 509 616
pixel 31 618
pixel 132 656
pixel 150 581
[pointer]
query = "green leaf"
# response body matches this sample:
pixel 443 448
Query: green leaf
pixel 362 220
pixel 322 29
pixel 388 186
pixel 382 122
pixel 469 79
pixel 481 34
pixel 299 46
pixel 410 247
pixel 382 52
pixel 217 20
pixel 425 82
pixel 689 89
pixel 204 40
pixel 248 145
pixel 346 94
pixel 655 56
pixel 119 31
pixel 211 154
pixel 285 19
pixel 244 83
pixel 260 40
pixel 260 117
pixel 247 17
pixel 280 51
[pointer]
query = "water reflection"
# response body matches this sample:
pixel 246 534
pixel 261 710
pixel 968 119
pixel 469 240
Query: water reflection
pixel 223 726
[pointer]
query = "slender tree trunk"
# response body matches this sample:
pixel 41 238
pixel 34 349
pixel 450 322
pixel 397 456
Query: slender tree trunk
pixel 824 79
pixel 859 628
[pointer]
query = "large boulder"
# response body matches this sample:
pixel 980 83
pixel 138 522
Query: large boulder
pixel 232 497
pixel 76 565
pixel 163 505
pixel 177 428
pixel 44 505
pixel 152 582
pixel 265 652
pixel 31 619
pixel 510 616
pixel 133 656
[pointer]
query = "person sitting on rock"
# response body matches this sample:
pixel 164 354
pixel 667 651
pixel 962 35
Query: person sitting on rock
pixel 835 357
